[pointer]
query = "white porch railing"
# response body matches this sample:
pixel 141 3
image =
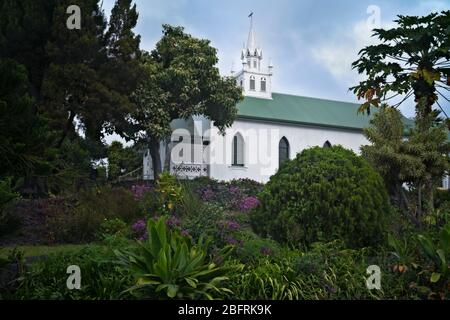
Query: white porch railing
pixel 189 170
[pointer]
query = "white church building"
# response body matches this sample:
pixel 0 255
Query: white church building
pixel 270 127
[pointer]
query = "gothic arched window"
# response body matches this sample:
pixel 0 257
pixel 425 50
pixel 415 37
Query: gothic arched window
pixel 238 151
pixel 254 64
pixel 252 83
pixel 327 144
pixel 283 151
pixel 263 84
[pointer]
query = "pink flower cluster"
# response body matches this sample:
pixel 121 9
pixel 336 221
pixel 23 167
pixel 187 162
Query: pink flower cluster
pixel 139 190
pixel 249 203
pixel 139 230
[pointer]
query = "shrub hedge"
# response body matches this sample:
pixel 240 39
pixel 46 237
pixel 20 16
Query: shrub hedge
pixel 322 195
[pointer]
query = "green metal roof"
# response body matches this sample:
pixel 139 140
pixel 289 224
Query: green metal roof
pixel 304 110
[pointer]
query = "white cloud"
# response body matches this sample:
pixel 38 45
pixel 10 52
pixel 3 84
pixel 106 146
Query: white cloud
pixel 339 52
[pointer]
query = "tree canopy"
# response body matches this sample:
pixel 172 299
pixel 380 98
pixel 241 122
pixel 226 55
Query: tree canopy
pixel 74 79
pixel 412 59
pixel 181 80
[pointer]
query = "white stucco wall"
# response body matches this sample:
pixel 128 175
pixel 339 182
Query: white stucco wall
pixel 261 147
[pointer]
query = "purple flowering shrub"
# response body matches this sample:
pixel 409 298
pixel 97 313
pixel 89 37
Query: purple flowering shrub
pixel 139 230
pixel 140 190
pixel 239 195
pixel 248 203
pixel 227 233
pixel 256 248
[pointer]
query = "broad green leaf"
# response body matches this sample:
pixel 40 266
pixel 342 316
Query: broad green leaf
pixel 435 277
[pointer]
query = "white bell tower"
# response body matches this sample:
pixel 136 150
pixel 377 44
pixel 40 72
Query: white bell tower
pixel 253 78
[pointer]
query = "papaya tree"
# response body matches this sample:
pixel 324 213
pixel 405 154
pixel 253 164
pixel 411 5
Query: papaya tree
pixel 413 60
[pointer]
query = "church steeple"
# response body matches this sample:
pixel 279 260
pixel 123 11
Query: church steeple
pixel 251 54
pixel 253 80
pixel 251 41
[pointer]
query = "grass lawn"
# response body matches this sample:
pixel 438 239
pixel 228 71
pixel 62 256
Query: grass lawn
pixel 36 251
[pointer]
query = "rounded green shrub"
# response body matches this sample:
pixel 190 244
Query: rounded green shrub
pixel 321 195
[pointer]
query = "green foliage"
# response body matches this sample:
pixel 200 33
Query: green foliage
pixel 168 265
pixel 101 278
pixel 326 271
pixel 190 203
pixel 411 59
pixel 248 186
pixel 11 268
pixel 257 248
pixel 429 143
pixel 268 281
pixel 181 80
pixel 6 193
pixel 122 160
pixel 97 68
pixel 442 197
pixel 229 195
pixel 82 224
pixel 205 223
pixel 113 227
pixel 322 195
pixel 439 254
pixel 8 221
pixel 50 76
pixel 419 160
pixel 169 192
pixel 389 152
pixel 23 138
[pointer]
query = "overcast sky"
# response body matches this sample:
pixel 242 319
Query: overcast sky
pixel 311 42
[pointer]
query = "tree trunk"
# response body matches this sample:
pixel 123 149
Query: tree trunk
pixel 156 158
pixel 419 200
pixel 67 127
pixel 405 207
pixel 430 195
pixel 167 157
pixel 400 197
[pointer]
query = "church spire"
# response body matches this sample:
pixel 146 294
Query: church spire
pixel 251 41
pixel 251 49
pixel 255 80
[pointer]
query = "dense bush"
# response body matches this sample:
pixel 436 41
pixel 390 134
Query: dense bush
pixel 322 195
pixel 113 227
pixel 437 270
pixel 254 248
pixel 82 223
pixel 237 194
pixel 8 221
pixel 101 278
pixel 325 271
pixel 189 203
pixel 170 265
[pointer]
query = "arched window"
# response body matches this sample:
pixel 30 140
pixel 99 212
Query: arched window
pixel 263 84
pixel 327 144
pixel 283 151
pixel 242 84
pixel 238 151
pixel 252 83
pixel 254 64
